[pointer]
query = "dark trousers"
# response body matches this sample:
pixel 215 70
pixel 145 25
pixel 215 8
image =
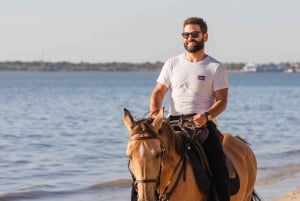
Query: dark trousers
pixel 133 194
pixel 217 162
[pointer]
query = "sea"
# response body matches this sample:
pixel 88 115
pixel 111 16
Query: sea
pixel 62 135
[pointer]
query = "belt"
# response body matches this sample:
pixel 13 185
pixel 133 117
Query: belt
pixel 178 117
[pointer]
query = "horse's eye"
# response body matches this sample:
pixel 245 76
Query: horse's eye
pixel 128 156
pixel 158 154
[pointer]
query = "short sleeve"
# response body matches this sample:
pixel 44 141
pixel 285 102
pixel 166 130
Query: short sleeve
pixel 164 76
pixel 221 78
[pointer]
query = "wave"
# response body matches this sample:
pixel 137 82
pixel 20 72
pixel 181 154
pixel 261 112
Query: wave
pixel 120 183
pixel 282 154
pixel 31 195
pixel 112 184
pixel 277 174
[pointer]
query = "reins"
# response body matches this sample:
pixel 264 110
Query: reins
pixel 157 180
pixel 182 163
pixel 165 196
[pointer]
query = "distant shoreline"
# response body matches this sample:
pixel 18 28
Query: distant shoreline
pixel 38 66
pixel 41 66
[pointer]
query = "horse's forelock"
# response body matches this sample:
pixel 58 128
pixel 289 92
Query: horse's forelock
pixel 143 126
pixel 170 139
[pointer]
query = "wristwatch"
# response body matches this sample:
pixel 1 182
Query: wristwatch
pixel 208 116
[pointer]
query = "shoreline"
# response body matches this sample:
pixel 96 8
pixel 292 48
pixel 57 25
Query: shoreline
pixel 283 189
pixel 290 196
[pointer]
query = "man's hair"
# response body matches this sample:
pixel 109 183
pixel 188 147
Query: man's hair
pixel 196 20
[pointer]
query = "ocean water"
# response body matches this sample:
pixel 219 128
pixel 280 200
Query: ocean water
pixel 62 136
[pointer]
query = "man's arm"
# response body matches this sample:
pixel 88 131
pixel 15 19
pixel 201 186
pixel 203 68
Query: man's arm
pixel 157 98
pixel 220 104
pixel 218 107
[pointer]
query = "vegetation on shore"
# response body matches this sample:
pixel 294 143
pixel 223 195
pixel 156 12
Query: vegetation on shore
pixel 85 66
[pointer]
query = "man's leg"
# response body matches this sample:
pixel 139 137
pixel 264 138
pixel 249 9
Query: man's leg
pixel 217 162
pixel 133 194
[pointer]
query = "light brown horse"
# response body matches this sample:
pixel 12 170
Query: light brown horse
pixel 154 152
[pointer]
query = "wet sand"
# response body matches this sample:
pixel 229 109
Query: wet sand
pixel 291 196
pixel 283 188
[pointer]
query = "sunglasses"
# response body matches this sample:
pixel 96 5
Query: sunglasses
pixel 194 34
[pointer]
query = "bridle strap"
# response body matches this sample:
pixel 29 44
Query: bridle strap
pixel 166 195
pixel 136 181
pixel 143 137
pixel 147 181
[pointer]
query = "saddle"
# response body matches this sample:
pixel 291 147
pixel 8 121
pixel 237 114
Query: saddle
pixel 195 137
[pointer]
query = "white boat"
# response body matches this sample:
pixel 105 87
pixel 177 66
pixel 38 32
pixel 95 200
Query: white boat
pixel 250 67
pixel 290 70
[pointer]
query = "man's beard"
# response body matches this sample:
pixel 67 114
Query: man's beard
pixel 195 48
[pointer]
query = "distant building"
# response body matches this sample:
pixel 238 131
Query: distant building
pixel 251 67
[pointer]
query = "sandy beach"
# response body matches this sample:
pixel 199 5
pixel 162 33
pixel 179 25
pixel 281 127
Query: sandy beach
pixel 283 187
pixel 291 196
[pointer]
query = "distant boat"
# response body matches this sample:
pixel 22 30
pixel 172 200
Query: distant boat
pixel 290 70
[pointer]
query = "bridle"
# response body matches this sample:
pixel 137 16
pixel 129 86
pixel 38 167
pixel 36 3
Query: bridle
pixel 157 180
pixel 164 196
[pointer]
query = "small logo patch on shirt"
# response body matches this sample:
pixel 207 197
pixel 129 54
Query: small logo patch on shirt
pixel 201 77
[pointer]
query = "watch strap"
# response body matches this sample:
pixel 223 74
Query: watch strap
pixel 208 116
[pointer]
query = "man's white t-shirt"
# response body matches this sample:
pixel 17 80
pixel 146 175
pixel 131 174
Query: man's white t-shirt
pixel 192 85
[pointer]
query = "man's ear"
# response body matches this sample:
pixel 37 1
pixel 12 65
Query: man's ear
pixel 205 37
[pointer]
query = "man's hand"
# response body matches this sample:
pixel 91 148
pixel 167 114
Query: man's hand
pixel 199 120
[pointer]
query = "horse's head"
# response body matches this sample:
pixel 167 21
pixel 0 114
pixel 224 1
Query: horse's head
pixel 144 152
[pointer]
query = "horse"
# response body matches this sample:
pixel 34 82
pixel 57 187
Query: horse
pixel 155 161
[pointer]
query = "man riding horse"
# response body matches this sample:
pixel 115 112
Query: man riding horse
pixel 198 87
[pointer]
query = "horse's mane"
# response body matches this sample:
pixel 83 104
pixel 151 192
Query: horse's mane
pixel 170 139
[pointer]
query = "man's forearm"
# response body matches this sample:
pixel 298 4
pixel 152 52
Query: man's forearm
pixel 156 100
pixel 155 104
pixel 217 108
pixel 220 104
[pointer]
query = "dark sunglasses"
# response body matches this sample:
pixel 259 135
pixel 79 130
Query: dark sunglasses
pixel 194 34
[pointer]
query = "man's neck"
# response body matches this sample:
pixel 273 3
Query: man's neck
pixel 195 57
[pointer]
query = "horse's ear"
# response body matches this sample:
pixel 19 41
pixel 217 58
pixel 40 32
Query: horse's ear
pixel 128 119
pixel 157 123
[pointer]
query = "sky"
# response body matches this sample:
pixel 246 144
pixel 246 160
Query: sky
pixel 258 31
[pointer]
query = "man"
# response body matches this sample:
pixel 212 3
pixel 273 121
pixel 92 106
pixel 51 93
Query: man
pixel 198 87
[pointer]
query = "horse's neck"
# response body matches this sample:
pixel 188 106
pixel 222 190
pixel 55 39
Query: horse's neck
pixel 169 166
pixel 169 177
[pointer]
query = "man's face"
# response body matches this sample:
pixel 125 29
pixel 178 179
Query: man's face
pixel 193 39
